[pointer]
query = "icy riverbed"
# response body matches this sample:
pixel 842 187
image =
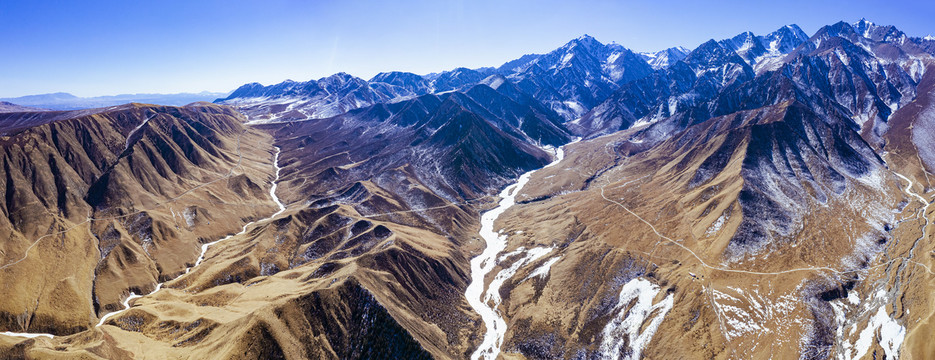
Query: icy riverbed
pixel 484 263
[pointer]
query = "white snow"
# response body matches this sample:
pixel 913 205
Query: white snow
pixel 137 128
pixel 641 122
pixel 189 216
pixel 747 313
pixel 27 335
pixel 493 292
pixel 717 224
pixel 484 263
pixel 496 82
pixel 566 59
pixel 879 328
pixel 673 105
pixel 576 107
pixel 853 298
pixel 625 327
pixel 891 336
pixel 543 270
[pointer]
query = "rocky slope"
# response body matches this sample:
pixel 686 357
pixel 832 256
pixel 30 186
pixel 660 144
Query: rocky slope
pixel 103 202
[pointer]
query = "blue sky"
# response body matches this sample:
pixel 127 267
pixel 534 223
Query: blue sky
pixel 91 48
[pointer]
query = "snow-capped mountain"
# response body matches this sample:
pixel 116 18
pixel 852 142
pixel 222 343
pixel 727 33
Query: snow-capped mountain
pixel 667 92
pixel 414 83
pixel 569 80
pixel 885 33
pixel 763 52
pixel 457 79
pixel 665 58
pixel 316 99
pixel 578 75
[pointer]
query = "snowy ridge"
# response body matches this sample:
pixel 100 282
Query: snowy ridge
pixel 543 270
pixel 665 58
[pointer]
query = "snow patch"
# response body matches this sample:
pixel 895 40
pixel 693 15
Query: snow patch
pixel 27 335
pixel 890 337
pixel 624 328
pixel 543 270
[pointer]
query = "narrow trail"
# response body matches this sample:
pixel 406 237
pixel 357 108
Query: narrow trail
pixel 483 302
pixel 809 269
pixel 704 264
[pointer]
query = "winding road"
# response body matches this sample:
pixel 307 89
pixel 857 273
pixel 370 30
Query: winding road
pixel 812 268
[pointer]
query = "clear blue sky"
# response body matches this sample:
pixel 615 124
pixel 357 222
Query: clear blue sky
pixel 93 48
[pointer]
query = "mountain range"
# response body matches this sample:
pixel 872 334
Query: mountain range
pixel 761 196
pixel 66 101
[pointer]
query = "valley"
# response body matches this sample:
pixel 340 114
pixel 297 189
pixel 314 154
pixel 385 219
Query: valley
pixel 757 197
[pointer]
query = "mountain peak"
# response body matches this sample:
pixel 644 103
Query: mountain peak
pixel 708 46
pixel 793 30
pixel 585 40
pixel 885 33
pixel 665 58
pixel 841 28
pixel 863 22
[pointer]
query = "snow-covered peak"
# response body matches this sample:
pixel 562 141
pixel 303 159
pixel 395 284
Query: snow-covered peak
pixel 884 33
pixel 587 42
pixel 929 37
pixel 665 58
pixel 784 40
pixel 585 38
pixel 840 29
pixel 863 27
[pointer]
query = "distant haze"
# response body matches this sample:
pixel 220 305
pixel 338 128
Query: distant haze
pixel 66 101
pixel 117 47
